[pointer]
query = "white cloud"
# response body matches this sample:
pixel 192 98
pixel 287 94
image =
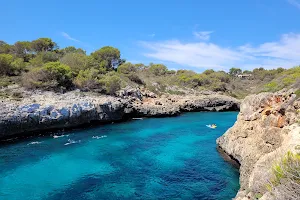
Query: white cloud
pixel 282 53
pixel 203 35
pixel 294 3
pixel 152 35
pixel 67 36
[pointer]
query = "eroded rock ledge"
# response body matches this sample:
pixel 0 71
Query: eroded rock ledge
pixel 39 111
pixel 266 129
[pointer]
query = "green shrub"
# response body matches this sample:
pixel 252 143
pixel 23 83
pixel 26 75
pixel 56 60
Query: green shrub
pixel 218 87
pixel 37 61
pixel 18 65
pixel 135 78
pixel 288 81
pixel 262 74
pixel 185 77
pixel 112 83
pixel 52 76
pixel 158 69
pixel 44 57
pixel 271 87
pixel 76 61
pixel 10 65
pixel 127 68
pixel 106 55
pixel 88 79
pixel 171 72
pixel 247 72
pixel 208 71
pixel 50 56
pixel 71 49
pixel 220 76
pixel 5 64
pixel 191 79
pixel 4 47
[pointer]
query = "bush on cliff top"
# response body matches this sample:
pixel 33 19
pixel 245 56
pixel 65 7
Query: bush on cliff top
pixel 158 69
pixel 127 68
pixel 76 61
pixel 112 83
pixel 89 79
pixel 52 75
pixel 10 65
pixel 33 55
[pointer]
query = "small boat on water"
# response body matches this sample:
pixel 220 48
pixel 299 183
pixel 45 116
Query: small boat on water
pixel 59 136
pixel 72 142
pixel 213 126
pixel 137 118
pixel 99 137
pixel 31 143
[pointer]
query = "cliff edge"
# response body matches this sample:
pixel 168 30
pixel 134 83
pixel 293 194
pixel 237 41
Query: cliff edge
pixel 40 111
pixel 266 129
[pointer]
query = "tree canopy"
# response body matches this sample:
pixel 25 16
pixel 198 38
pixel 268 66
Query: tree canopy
pixel 72 49
pixel 235 71
pixel 107 56
pixel 43 44
pixel 158 69
pixel 42 64
pixel 76 61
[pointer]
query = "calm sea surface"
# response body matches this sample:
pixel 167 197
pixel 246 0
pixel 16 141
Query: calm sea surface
pixel 165 158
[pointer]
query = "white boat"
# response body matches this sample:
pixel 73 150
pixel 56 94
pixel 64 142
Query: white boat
pixel 32 143
pixel 59 136
pixel 99 137
pixel 72 142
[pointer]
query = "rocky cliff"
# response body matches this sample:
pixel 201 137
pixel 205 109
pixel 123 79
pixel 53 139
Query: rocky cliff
pixel 266 129
pixel 38 110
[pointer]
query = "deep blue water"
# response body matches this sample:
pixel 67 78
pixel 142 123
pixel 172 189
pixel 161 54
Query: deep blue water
pixel 165 158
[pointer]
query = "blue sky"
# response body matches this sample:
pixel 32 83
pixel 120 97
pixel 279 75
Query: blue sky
pixel 189 34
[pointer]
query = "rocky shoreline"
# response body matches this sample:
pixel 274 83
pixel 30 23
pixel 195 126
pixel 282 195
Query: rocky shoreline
pixel 42 111
pixel 268 126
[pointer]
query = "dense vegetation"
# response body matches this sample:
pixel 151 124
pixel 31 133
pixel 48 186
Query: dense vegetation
pixel 41 64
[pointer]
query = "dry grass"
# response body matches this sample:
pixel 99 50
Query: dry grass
pixel 285 183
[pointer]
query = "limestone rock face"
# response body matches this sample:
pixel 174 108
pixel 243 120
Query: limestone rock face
pixel 267 127
pixel 40 110
pixel 209 103
pixel 130 92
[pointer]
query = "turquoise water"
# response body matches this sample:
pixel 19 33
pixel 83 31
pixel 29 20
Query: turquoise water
pixel 165 158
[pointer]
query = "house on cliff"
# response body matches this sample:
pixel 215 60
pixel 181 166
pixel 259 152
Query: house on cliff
pixel 244 76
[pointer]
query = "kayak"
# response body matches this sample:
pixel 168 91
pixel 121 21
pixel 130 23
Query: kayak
pixel 210 126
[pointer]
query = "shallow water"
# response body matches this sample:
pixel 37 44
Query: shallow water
pixel 165 158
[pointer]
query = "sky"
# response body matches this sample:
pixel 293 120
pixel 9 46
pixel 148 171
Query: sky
pixel 182 34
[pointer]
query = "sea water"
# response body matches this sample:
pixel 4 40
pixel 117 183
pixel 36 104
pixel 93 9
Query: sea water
pixel 163 158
